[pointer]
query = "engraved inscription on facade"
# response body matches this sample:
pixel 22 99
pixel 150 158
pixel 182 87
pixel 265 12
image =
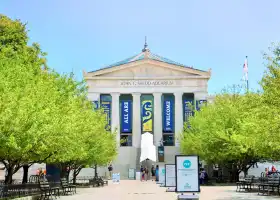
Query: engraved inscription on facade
pixel 152 83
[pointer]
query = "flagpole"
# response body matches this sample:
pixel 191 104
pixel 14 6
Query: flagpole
pixel 247 81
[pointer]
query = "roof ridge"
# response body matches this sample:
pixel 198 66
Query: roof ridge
pixel 151 56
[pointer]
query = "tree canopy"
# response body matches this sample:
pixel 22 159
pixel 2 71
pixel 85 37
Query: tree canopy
pixel 45 116
pixel 239 129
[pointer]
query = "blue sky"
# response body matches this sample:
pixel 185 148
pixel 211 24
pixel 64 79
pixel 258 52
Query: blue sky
pixel 90 34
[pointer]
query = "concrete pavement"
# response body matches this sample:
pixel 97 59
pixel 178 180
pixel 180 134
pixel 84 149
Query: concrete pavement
pixel 136 190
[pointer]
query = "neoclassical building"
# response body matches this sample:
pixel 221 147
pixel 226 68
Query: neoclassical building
pixel 147 93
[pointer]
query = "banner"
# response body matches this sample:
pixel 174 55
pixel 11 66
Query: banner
pixel 106 105
pixel 188 110
pixel 200 103
pixel 168 115
pixel 95 105
pixel 147 115
pixel 187 173
pixel 126 116
pixel 170 180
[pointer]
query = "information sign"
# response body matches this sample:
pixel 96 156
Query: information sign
pixel 170 180
pixel 187 173
pixel 161 174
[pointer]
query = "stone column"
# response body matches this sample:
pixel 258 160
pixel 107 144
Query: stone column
pixel 157 118
pixel 115 123
pixel 136 123
pixel 179 124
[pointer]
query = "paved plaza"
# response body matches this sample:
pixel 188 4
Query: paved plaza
pixel 136 190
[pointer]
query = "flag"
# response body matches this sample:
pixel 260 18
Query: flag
pixel 245 69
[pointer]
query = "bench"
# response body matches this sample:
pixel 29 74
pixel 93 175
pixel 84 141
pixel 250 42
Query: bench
pixel 47 191
pixel 244 184
pixel 269 186
pixel 105 181
pixel 98 181
pixel 66 187
pixel 18 190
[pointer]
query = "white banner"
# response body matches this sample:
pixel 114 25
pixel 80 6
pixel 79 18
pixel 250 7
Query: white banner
pixel 170 176
pixel 161 174
pixel 187 174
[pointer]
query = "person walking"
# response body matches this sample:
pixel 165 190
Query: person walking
pixel 142 173
pixel 157 173
pixel 110 169
pixel 146 174
pixel 153 172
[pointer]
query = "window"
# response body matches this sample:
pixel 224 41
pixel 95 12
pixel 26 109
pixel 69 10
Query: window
pixel 126 140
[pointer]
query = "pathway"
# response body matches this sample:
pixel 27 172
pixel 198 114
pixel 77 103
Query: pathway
pixel 136 190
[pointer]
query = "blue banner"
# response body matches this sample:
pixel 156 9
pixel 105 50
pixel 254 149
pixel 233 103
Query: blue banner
pixel 126 116
pixel 188 109
pixel 168 115
pixel 200 103
pixel 106 105
pixel 95 105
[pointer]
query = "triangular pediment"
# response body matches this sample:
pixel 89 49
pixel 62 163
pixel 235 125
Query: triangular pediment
pixel 148 69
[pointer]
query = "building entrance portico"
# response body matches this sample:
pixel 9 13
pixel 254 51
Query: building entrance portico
pixel 146 93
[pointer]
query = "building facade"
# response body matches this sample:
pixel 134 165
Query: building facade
pixel 146 93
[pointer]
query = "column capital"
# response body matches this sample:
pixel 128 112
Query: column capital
pixel 178 94
pixel 136 94
pixel 115 94
pixel 157 94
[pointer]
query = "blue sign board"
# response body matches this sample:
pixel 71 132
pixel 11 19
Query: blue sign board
pixel 106 105
pixel 199 104
pixel 168 115
pixel 188 110
pixel 126 116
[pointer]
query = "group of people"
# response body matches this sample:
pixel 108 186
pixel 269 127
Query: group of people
pixel 272 171
pixel 145 173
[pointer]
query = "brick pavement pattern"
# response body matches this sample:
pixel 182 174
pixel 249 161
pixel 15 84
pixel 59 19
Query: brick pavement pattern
pixel 136 190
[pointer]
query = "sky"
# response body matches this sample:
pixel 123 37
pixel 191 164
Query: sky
pixel 90 34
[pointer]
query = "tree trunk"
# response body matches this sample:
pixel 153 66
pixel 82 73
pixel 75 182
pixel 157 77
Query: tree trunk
pixel 245 171
pixel 76 173
pixel 25 173
pixel 63 170
pixel 95 171
pixel 9 174
pixel 234 174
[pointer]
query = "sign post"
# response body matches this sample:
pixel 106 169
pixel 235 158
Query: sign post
pixel 161 175
pixel 116 178
pixel 170 179
pixel 187 176
pixel 131 173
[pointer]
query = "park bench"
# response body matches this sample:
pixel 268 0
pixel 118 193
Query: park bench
pixel 47 191
pixel 18 190
pixel 105 181
pixel 269 186
pixel 66 187
pixel 98 181
pixel 244 184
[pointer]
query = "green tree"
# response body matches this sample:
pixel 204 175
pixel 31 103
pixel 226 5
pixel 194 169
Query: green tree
pixel 45 116
pixel 228 132
pixel 270 84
